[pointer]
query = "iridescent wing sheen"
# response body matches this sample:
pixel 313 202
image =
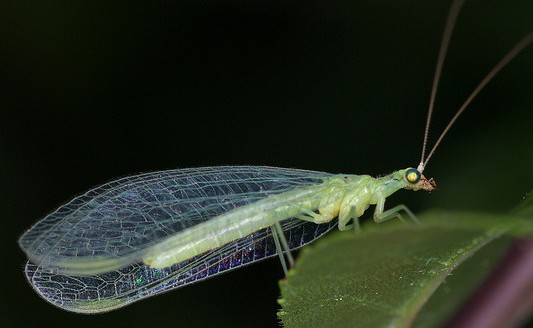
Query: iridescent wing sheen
pixel 116 222
pixel 117 288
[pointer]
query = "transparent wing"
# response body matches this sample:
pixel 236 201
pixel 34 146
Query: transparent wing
pixel 113 224
pixel 105 292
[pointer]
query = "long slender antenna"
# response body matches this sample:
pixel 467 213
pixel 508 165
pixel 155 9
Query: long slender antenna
pixel 446 36
pixel 527 40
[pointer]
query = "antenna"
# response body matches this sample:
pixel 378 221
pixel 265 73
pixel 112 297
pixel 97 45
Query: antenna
pixel 446 36
pixel 450 23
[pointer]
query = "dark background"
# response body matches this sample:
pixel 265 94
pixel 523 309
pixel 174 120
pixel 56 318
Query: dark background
pixel 95 91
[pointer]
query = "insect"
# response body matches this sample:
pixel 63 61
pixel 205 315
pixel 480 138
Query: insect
pixel 139 236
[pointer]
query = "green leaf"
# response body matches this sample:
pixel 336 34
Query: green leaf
pixel 397 275
pixel 525 208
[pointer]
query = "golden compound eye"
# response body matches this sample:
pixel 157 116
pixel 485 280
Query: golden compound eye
pixel 412 175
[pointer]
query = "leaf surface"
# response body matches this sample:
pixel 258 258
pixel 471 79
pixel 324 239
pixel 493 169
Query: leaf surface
pixel 397 275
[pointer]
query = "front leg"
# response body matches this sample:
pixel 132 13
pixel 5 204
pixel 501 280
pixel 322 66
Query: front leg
pixel 381 216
